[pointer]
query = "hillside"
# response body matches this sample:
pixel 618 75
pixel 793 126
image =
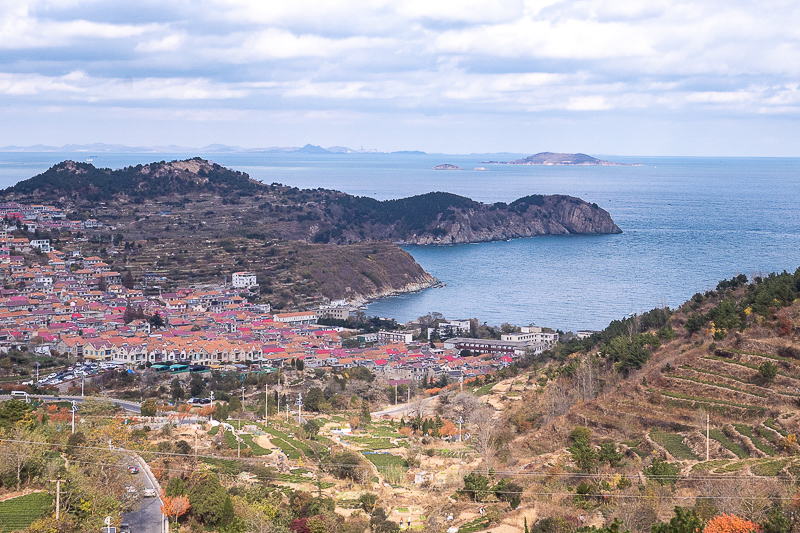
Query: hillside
pixel 196 197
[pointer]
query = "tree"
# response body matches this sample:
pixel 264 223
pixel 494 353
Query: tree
pixel 484 430
pixel 174 506
pixel 156 321
pixel 127 280
pixel 662 472
pixel 368 501
pixel 476 486
pixel 608 452
pixel 149 407
pixel 768 371
pixel 730 524
pixel 207 498
pixel 102 284
pixel 315 400
pixel 684 521
pixel 311 428
pixel 583 453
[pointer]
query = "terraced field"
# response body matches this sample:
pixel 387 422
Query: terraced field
pixel 17 514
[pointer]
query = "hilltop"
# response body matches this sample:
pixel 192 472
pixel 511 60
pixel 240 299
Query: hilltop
pixel 195 197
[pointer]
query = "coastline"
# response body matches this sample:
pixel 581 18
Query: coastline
pixel 418 286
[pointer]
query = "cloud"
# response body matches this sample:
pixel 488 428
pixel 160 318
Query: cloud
pixel 395 57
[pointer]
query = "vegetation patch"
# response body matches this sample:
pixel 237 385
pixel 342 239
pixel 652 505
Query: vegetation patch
pixel 706 466
pixel 768 468
pixel 673 442
pixel 681 396
pixel 716 384
pixel 770 423
pixel 257 448
pixel 18 513
pixel 384 460
pixel 755 438
pixel 733 467
pixel 723 439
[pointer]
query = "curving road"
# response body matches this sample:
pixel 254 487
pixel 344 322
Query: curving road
pixel 146 516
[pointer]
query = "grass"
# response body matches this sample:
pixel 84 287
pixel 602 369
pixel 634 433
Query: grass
pixel 716 384
pixel 213 431
pixel 713 373
pixel 733 467
pixel 681 396
pixel 764 355
pixel 768 468
pixel 484 390
pixel 755 438
pixel 740 363
pixel 18 513
pixel 723 439
pixel 384 460
pixel 257 448
pixel 673 442
pixel 475 525
pixel 770 423
pixel 230 439
pixel 706 466
pixel 370 443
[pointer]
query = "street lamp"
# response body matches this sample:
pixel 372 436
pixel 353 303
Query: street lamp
pixel 460 421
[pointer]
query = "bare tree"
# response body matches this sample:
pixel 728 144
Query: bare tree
pixel 586 380
pixel 558 398
pixel 483 429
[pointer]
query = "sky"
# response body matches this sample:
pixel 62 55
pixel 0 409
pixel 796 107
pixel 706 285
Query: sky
pixel 625 77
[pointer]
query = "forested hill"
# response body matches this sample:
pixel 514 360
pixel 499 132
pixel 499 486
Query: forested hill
pixel 195 196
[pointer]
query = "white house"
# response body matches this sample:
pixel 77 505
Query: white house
pixel 243 280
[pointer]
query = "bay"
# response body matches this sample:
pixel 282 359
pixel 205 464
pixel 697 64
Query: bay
pixel 687 223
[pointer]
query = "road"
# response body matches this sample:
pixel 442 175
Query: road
pixel 128 405
pixel 403 409
pixel 146 515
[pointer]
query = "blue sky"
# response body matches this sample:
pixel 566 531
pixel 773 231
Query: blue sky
pixel 677 77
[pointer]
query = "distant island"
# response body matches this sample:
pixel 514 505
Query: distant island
pixel 447 166
pixel 553 158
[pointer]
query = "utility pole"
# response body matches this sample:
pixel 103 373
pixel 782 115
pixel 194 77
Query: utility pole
pixel 74 408
pixel 57 481
pixel 83 380
pixel 395 394
pixel 37 372
pixel 266 404
pixel 708 432
pixel 461 383
pixel 287 411
pixel 238 446
pixel 460 421
pixel 299 407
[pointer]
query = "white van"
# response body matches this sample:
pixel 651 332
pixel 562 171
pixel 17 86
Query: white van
pixel 19 393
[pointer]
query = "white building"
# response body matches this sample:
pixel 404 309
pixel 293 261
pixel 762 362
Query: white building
pixel 243 280
pixel 533 334
pixel 391 337
pixel 42 245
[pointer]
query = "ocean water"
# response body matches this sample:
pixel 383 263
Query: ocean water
pixel 687 223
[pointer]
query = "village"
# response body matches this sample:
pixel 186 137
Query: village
pixel 64 303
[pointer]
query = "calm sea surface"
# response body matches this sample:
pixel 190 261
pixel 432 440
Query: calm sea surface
pixel 687 223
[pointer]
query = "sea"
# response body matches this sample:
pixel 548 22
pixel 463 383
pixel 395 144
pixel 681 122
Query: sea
pixel 687 223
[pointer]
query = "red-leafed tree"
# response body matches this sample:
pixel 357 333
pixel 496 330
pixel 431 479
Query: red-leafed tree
pixel 174 506
pixel 725 523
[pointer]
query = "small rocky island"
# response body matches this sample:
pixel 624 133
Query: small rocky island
pixel 447 166
pixel 552 158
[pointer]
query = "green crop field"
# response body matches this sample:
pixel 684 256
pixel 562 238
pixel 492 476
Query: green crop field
pixel 19 513
pixel 382 460
pixel 720 437
pixel 674 444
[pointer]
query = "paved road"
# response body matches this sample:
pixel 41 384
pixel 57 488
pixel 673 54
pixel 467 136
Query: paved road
pixel 128 405
pixel 146 515
pixel 403 409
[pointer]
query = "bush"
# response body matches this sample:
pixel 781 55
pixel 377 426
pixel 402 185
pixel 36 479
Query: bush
pixel 662 472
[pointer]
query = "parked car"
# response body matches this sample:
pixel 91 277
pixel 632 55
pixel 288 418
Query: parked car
pixel 149 493
pixel 133 469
